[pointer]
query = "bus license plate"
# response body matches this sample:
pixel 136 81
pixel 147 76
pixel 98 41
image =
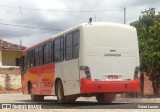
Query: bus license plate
pixel 112 77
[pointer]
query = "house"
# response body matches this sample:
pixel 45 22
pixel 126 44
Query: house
pixel 10 54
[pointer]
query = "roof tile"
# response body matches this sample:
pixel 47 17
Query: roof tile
pixel 10 46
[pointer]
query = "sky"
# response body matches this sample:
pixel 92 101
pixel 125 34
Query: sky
pixel 32 21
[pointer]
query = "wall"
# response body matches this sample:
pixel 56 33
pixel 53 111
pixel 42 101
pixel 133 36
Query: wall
pixel 10 71
pixel 148 89
pixel 9 57
pixel 13 82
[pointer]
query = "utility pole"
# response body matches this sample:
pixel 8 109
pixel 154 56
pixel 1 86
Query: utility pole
pixel 20 42
pixel 124 15
pixel 95 18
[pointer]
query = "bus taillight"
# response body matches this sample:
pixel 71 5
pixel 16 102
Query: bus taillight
pixel 86 70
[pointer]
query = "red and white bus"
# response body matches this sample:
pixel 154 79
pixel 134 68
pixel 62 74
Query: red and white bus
pixel 92 59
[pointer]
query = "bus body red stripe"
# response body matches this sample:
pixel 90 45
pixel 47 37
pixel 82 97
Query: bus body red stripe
pixel 88 86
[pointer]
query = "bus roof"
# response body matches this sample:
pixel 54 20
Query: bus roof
pixel 111 24
pixel 38 44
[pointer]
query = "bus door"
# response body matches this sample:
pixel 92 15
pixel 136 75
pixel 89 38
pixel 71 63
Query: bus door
pixel 71 77
pixel 71 64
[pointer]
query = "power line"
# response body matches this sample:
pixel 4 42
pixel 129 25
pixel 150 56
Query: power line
pixel 34 27
pixel 43 25
pixel 54 10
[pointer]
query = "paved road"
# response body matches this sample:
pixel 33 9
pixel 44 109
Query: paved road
pixel 83 103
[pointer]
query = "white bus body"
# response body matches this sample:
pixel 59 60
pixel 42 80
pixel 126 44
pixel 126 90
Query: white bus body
pixel 109 53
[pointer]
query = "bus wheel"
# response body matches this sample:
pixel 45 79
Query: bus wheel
pixel 100 97
pixel 105 97
pixel 59 92
pixel 35 97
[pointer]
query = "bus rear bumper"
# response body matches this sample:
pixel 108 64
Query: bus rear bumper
pixel 88 86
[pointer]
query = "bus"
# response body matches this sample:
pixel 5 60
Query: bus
pixel 98 59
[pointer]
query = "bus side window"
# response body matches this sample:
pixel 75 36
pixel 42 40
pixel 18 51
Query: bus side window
pixel 45 54
pixel 76 44
pixel 68 47
pixel 72 45
pixel 37 56
pixel 62 48
pixel 50 52
pixel 58 49
pixel 32 58
pixel 22 64
pixel 40 55
pixel 27 60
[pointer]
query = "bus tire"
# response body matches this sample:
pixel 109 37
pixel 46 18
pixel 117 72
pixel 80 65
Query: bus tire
pixel 105 97
pixel 60 94
pixel 35 97
pixel 100 97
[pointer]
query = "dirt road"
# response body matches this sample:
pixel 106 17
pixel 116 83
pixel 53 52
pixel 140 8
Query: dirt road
pixel 82 104
pixel 20 98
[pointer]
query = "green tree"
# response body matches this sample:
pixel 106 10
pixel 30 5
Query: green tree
pixel 148 29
